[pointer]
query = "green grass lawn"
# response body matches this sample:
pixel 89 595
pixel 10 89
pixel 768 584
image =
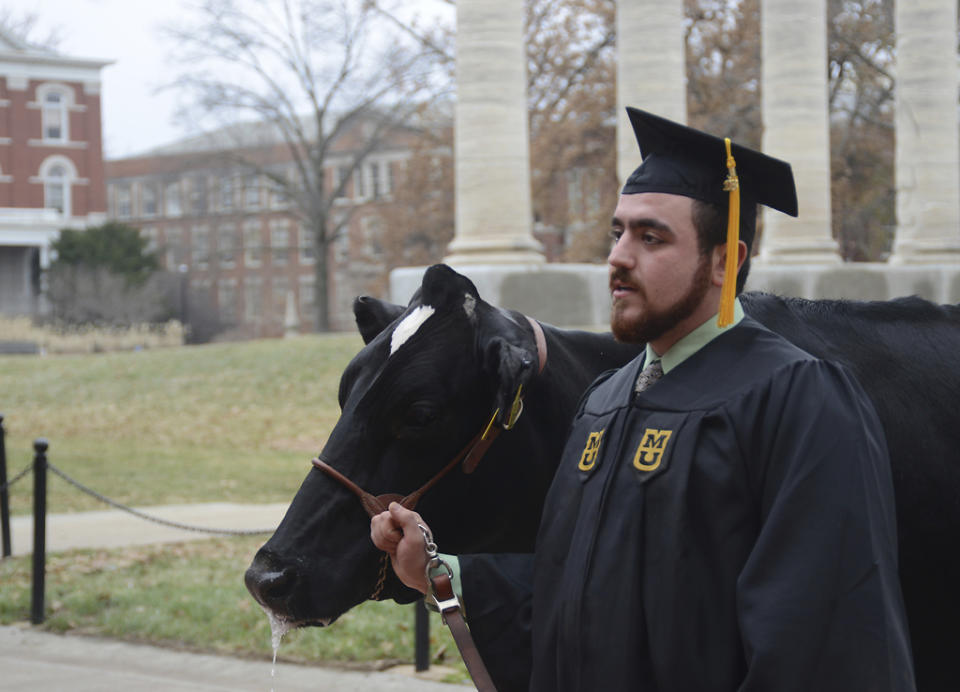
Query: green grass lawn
pixel 224 422
pixel 191 595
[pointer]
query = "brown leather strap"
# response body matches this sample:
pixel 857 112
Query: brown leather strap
pixel 541 343
pixel 450 611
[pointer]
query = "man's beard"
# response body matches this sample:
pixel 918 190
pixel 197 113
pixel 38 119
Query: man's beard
pixel 651 324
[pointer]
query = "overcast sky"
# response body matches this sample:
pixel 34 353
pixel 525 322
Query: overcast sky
pixel 135 116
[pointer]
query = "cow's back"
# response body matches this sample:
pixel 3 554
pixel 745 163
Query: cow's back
pixel 906 355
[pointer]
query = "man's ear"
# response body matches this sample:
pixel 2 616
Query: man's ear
pixel 373 316
pixel 718 259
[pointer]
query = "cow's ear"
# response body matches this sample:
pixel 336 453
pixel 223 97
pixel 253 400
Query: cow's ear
pixel 513 367
pixel 373 316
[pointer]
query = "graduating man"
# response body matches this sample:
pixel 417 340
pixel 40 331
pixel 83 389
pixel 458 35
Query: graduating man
pixel 722 517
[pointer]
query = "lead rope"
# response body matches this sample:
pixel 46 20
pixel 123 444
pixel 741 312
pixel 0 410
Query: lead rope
pixel 441 590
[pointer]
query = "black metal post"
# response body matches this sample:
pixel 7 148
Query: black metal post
pixel 4 494
pixel 421 636
pixel 39 529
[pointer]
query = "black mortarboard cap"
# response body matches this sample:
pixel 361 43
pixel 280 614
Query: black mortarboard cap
pixel 680 160
pixel 683 161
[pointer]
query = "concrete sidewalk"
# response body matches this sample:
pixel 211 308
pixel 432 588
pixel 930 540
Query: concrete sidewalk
pixel 44 662
pixel 115 529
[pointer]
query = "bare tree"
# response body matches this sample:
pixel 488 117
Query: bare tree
pixel 313 71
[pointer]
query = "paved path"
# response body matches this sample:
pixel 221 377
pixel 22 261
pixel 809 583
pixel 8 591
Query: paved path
pixel 115 529
pixel 44 662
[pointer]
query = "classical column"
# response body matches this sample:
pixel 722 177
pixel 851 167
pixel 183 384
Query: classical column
pixel 928 163
pixel 796 127
pixel 492 158
pixel 651 70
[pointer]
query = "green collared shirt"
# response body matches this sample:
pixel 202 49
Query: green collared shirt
pixel 694 341
pixel 679 352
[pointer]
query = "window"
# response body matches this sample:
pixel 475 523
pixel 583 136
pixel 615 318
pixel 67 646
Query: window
pixel 252 244
pixel 279 199
pixel 281 286
pixel 201 247
pixel 55 112
pixel 252 298
pixel 198 195
pixel 54 189
pixel 173 245
pixel 280 241
pixel 251 192
pixel 171 199
pixel 57 173
pixel 371 228
pixel 390 178
pixel 149 195
pixel 150 236
pixel 226 193
pixel 376 183
pixel 359 184
pixel 227 300
pixel 307 245
pixel 227 245
pixel 121 201
pixel 342 173
pixel 307 298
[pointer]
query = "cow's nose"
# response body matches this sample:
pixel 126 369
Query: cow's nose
pixel 271 585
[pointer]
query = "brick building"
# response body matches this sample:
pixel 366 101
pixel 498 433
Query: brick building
pixel 246 262
pixel 51 162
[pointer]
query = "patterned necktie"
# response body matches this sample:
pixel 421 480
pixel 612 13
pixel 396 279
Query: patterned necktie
pixel 650 374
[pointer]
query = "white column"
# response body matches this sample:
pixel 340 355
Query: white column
pixel 651 70
pixel 492 158
pixel 927 163
pixel 796 127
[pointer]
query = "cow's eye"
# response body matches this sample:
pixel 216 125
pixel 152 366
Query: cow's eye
pixel 420 415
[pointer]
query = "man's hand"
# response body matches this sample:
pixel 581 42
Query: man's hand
pixel 395 532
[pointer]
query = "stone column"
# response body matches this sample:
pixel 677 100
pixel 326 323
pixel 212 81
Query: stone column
pixel 927 163
pixel 796 127
pixel 492 158
pixel 651 70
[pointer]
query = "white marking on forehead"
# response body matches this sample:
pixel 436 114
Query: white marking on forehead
pixel 408 326
pixel 469 303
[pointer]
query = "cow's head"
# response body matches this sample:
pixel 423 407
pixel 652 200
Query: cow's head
pixel 428 379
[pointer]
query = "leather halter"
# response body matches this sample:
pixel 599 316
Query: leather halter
pixel 470 455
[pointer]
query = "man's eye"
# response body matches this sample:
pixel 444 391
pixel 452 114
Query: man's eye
pixel 615 234
pixel 651 239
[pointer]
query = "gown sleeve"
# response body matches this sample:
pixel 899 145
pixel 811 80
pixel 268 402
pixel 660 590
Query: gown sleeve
pixel 498 597
pixel 818 600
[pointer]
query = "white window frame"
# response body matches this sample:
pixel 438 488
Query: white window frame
pixel 280 242
pixel 306 245
pixel 252 298
pixel 65 182
pixel 224 232
pixel 200 251
pixel 252 251
pixel 61 109
pixel 173 203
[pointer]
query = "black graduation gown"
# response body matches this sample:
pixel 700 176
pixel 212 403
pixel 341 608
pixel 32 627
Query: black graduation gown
pixel 731 528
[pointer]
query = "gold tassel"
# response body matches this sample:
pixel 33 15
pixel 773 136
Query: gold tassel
pixel 728 292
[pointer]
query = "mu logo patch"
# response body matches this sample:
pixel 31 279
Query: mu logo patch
pixel 589 457
pixel 652 447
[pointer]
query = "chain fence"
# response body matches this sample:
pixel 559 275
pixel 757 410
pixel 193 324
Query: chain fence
pixel 26 470
pixel 148 517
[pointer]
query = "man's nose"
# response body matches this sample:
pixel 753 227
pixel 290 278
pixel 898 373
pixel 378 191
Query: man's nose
pixel 620 255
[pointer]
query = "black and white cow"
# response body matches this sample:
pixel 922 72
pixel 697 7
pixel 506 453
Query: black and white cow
pixel 432 373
